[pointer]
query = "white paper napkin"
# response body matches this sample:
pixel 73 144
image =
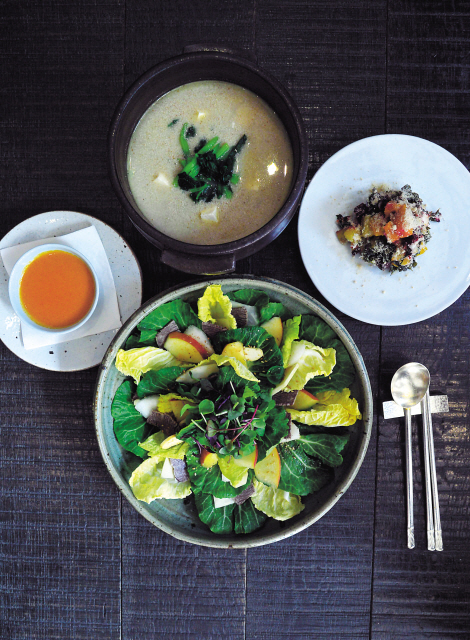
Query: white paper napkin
pixel 106 315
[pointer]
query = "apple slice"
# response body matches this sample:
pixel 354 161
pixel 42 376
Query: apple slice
pixel 274 328
pixel 208 459
pixel 241 353
pixel 248 461
pixel 185 348
pixel 223 502
pixel 200 337
pixel 198 373
pixel 171 441
pixel 268 471
pixel 145 406
pixel 176 406
pixel 304 400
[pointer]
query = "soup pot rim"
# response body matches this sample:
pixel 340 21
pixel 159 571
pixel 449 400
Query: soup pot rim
pixel 284 214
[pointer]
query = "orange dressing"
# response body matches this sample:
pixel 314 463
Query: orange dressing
pixel 57 289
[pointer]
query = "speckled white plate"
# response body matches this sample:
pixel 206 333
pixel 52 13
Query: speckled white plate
pixel 363 291
pixel 88 351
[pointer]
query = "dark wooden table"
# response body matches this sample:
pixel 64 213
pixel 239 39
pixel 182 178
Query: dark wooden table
pixel 76 560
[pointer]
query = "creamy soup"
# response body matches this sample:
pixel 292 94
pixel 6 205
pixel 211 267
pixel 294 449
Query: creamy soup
pixel 57 289
pixel 263 166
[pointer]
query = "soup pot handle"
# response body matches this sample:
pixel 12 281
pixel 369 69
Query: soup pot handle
pixel 241 53
pixel 199 265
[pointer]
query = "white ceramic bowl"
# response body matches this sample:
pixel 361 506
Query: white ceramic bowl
pixel 15 279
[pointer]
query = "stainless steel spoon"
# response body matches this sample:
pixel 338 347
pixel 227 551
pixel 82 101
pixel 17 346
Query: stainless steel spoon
pixel 409 385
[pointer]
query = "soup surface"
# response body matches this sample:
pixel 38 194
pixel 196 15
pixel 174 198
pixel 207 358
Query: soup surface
pixel 211 108
pixel 57 289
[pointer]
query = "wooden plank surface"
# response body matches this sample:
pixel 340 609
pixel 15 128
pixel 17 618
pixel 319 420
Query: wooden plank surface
pixel 419 593
pixel 60 512
pixel 310 586
pixel 190 592
pixel 75 560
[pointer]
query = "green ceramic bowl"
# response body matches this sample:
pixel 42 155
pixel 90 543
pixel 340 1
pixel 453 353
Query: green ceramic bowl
pixel 179 517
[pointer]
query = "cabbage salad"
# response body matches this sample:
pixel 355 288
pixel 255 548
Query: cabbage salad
pixel 236 401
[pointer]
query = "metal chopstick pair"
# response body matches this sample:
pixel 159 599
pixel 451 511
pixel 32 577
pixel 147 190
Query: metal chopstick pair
pixel 410 386
pixel 433 516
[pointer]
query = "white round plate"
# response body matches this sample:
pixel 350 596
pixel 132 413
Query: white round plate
pixel 88 351
pixel 361 290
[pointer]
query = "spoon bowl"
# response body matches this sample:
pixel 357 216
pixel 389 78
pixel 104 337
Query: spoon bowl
pixel 409 384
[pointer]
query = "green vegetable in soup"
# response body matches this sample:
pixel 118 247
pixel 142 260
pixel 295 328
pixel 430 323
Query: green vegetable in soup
pixel 209 173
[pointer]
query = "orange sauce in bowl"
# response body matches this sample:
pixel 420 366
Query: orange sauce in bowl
pixel 57 289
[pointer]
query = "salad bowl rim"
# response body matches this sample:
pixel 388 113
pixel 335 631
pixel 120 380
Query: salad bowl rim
pixel 257 538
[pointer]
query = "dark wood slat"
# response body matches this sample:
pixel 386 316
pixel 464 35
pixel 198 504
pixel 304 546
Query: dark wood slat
pixel 59 521
pixel 173 589
pixel 61 73
pixel 317 584
pixel 176 590
pixel 423 594
pixel 428 88
pixel 64 68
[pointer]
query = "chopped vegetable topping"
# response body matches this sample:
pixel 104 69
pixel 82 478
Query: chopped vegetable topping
pixel 209 172
pixel 390 231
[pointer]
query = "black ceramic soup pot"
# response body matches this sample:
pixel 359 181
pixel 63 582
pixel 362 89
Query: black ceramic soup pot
pixel 195 64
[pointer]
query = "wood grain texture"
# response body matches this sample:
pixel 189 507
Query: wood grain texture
pixel 75 560
pixel 173 590
pixel 59 522
pixel 178 591
pixel 317 584
pixel 420 592
pixel 423 594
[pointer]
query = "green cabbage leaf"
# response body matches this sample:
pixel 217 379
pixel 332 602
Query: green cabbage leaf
pixel 129 426
pixel 236 474
pixel 301 474
pixel 276 503
pixel 218 520
pixel 291 333
pixel 216 307
pixel 205 480
pixel 153 446
pixel 317 331
pixel 269 368
pixel 155 382
pixel 247 517
pixel 136 362
pixel 260 300
pixel 306 361
pixel 147 483
pixel 177 310
pixel 240 369
pixel 324 446
pixel 334 409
